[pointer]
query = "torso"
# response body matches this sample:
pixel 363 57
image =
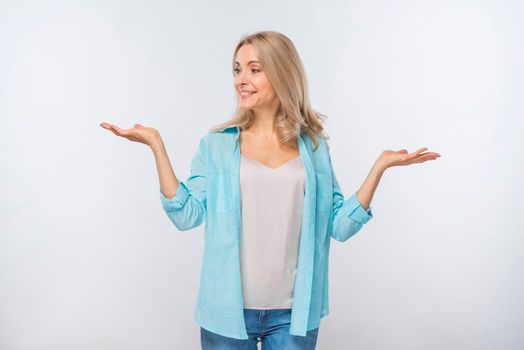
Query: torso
pixel 268 153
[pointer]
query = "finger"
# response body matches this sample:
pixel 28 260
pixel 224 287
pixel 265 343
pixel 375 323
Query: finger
pixel 430 154
pixel 433 154
pixel 426 158
pixel 106 126
pixel 417 153
pixel 120 131
pixel 114 132
pixel 117 131
pixel 112 127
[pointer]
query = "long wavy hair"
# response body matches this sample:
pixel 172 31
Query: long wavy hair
pixel 285 71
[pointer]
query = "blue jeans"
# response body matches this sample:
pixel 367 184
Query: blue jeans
pixel 269 326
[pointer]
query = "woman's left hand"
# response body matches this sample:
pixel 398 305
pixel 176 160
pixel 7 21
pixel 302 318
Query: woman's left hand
pixel 388 158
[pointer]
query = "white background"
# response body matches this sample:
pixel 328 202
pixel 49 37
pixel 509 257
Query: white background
pixel 88 258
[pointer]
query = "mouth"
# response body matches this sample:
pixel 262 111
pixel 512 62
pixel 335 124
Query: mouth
pixel 247 93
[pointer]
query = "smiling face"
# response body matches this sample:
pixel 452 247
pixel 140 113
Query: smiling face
pixel 250 77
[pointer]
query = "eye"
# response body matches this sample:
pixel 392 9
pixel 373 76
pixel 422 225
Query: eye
pixel 235 70
pixel 254 70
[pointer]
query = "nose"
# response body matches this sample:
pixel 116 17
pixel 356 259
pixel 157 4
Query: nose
pixel 241 79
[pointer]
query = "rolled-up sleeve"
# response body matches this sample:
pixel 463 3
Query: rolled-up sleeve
pixel 348 215
pixel 187 208
pixel 179 199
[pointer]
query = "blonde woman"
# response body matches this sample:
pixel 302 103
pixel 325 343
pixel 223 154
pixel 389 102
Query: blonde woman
pixel 263 182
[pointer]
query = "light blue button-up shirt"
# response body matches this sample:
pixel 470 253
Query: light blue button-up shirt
pixel 211 194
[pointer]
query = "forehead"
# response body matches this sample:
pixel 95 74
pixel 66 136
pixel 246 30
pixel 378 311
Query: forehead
pixel 246 55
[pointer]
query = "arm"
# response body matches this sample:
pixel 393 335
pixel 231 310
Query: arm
pixel 184 203
pixel 367 190
pixel 349 216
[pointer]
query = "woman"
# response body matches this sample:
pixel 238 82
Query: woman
pixel 264 184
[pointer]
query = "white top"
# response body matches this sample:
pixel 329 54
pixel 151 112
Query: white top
pixel 272 201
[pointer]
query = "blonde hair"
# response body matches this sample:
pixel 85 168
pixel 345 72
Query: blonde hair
pixel 286 73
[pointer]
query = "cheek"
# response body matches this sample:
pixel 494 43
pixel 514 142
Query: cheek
pixel 267 89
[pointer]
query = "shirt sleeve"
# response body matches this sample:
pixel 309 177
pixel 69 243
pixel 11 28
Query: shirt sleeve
pixel 187 208
pixel 349 216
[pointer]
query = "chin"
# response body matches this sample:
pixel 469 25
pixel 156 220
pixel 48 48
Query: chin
pixel 249 106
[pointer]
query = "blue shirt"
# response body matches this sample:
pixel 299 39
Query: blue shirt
pixel 211 194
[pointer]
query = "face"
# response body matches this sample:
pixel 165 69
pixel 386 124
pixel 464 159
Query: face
pixel 249 76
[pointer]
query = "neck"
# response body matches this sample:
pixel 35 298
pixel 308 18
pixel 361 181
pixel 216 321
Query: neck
pixel 264 122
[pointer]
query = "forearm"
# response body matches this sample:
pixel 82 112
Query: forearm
pixel 367 190
pixel 166 176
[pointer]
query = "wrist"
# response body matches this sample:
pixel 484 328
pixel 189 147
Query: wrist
pixel 156 142
pixel 379 167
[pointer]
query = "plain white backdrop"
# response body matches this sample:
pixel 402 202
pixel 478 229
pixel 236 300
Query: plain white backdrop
pixel 88 258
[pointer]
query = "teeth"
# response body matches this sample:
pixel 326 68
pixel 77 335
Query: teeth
pixel 245 93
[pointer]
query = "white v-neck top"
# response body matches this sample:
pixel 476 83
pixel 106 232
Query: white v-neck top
pixel 272 201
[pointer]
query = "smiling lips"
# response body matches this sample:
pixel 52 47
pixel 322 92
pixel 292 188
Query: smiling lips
pixel 245 93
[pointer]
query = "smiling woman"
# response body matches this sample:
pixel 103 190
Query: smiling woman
pixel 276 133
pixel 271 86
pixel 264 184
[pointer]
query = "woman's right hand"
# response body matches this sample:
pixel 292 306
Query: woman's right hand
pixel 137 133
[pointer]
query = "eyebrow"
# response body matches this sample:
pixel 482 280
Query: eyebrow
pixel 253 61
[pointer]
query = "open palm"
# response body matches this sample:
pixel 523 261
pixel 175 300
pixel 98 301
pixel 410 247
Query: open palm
pixel 138 133
pixel 399 158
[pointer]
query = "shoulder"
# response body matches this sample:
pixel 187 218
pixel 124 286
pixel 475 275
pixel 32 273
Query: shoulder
pixel 321 141
pixel 221 138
